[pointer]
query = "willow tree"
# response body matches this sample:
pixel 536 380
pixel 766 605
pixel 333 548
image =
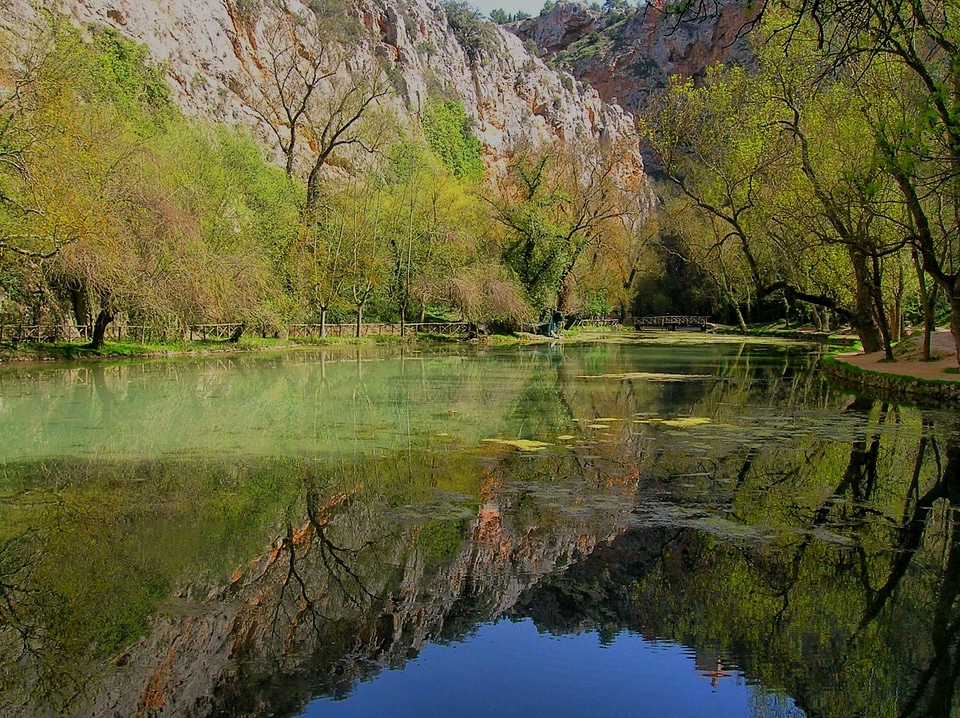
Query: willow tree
pixel 114 203
pixel 790 169
pixel 61 192
pixel 555 202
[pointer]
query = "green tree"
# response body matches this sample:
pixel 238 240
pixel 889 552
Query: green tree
pixel 361 208
pixel 791 172
pixel 429 234
pixel 914 60
pixel 554 203
pixel 475 35
pixel 318 263
pixel 446 128
pixel 114 204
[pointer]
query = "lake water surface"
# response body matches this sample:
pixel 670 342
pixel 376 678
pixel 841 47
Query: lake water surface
pixel 696 529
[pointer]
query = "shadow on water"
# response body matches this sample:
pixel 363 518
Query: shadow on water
pixel 722 499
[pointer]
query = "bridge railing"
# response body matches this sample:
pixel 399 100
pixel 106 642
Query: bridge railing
pixel 671 321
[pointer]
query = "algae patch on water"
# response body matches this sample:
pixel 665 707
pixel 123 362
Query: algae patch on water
pixel 683 422
pixel 521 444
pixel 687 421
pixel 649 376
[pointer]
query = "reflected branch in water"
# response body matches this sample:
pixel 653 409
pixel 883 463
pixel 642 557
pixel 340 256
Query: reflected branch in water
pixel 909 539
pixel 333 555
pixel 944 668
pixel 17 570
pixel 290 545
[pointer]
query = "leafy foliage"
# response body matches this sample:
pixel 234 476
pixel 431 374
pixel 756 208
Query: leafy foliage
pixel 446 128
pixel 114 207
pixel 557 210
pixel 126 75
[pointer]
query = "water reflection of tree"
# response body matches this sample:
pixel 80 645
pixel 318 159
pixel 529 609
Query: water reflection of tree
pixel 353 584
pixel 853 608
pixel 337 561
pixel 893 598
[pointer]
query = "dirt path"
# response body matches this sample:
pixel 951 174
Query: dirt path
pixel 908 360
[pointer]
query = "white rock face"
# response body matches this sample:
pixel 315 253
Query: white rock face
pixel 560 27
pixel 510 94
pixel 629 54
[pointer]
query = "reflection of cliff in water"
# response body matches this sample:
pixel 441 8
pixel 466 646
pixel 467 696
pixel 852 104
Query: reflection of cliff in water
pixel 341 595
pixel 806 538
pixel 844 606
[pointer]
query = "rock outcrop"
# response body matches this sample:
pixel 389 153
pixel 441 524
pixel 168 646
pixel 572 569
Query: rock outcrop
pixel 625 54
pixel 208 46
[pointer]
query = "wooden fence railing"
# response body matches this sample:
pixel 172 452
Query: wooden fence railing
pixel 350 330
pixel 213 331
pixel 16 333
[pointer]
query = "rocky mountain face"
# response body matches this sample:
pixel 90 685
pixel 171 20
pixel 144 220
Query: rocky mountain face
pixel 209 46
pixel 626 54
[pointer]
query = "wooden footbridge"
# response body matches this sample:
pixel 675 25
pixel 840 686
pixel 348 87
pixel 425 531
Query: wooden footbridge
pixel 671 322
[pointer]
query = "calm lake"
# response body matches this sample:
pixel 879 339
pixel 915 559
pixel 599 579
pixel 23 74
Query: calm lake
pixel 703 528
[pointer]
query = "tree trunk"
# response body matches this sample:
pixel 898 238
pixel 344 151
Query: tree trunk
pixel 289 150
pixel 359 319
pixel 323 322
pixel 741 323
pixel 312 205
pixel 237 333
pixel 862 319
pixel 926 303
pixel 80 303
pixel 817 321
pixel 876 294
pixel 104 318
pixel 955 322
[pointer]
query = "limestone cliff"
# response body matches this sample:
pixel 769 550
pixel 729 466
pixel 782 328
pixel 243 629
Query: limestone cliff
pixel 510 94
pixel 625 54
